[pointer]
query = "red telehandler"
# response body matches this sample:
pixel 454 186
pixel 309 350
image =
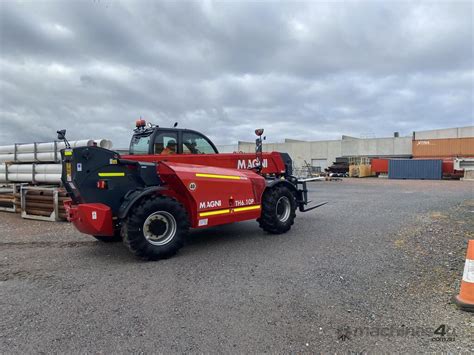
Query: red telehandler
pixel 173 180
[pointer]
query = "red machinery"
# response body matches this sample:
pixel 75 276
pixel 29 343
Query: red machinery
pixel 173 180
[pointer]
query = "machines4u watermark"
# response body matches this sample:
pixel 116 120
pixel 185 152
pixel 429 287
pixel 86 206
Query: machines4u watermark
pixel 441 333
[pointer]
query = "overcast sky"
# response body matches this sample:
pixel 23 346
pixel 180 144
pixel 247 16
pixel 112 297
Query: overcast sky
pixel 313 70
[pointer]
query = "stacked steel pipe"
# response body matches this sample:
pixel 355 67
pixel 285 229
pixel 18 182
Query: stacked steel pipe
pixel 37 163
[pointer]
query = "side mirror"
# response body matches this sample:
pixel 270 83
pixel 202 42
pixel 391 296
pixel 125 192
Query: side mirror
pixel 62 137
pixel 61 134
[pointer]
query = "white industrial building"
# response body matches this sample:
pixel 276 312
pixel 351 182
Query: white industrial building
pixel 321 154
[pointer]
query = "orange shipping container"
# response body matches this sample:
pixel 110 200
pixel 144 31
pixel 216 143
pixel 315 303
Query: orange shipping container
pixel 379 165
pixel 449 147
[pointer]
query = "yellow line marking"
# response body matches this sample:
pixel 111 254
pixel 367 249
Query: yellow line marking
pixel 228 210
pixel 247 208
pixel 215 176
pixel 213 213
pixel 111 174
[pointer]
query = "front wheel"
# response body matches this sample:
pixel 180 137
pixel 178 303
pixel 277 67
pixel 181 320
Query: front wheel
pixel 155 228
pixel 278 210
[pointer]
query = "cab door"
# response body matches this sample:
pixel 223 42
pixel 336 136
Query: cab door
pixel 195 143
pixel 163 142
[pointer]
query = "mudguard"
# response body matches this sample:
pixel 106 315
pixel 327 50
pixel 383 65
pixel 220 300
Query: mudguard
pixel 275 182
pixel 133 197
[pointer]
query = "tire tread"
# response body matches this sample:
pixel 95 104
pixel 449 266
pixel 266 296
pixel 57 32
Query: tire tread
pixel 132 233
pixel 268 220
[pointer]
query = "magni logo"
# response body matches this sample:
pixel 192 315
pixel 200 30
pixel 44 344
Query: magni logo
pixel 210 204
pixel 249 164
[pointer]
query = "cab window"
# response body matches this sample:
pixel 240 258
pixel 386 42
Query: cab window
pixel 165 143
pixel 194 143
pixel 140 144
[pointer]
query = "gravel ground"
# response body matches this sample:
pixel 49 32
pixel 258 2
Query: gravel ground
pixel 372 271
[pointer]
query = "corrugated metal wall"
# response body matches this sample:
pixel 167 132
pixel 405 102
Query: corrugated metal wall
pixel 428 169
pixel 449 147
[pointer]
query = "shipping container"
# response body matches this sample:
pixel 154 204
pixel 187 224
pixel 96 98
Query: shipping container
pixel 448 168
pixel 450 147
pixel 424 169
pixel 379 166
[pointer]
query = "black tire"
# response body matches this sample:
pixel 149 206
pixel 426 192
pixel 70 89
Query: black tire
pixel 150 217
pixel 273 219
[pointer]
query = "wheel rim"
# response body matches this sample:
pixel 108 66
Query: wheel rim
pixel 159 228
pixel 283 209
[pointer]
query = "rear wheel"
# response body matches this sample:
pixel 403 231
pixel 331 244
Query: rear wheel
pixel 155 228
pixel 278 210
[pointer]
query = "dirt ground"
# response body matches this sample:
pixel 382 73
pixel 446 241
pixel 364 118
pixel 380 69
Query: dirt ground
pixel 374 270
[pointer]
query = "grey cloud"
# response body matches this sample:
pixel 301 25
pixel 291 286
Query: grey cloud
pixel 301 70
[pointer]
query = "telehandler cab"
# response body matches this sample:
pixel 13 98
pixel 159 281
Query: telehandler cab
pixel 173 180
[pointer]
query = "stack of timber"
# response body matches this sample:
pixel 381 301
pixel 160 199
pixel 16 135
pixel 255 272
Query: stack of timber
pixel 42 203
pixel 8 199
